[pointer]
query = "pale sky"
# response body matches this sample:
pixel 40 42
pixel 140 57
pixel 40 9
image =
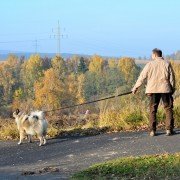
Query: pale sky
pixel 104 27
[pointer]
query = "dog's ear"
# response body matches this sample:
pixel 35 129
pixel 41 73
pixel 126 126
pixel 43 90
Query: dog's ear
pixel 17 111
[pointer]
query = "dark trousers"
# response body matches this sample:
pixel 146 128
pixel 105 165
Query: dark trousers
pixel 167 100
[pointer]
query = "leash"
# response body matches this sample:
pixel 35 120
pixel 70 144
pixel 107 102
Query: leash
pixel 89 102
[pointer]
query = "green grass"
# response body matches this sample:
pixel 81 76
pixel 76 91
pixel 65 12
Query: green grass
pixel 145 167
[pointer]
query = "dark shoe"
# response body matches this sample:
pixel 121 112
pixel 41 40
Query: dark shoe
pixel 173 132
pixel 152 133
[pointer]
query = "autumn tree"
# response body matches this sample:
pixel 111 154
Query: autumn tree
pixel 71 89
pixel 112 63
pixel 129 69
pixel 18 98
pixel 32 71
pixel 96 64
pixel 59 67
pixel 9 73
pixel 50 91
pixel 96 85
pixel 56 86
pixel 81 88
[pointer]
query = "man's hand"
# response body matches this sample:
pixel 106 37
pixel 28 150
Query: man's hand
pixel 149 94
pixel 134 91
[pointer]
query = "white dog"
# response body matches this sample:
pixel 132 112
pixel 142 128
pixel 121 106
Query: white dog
pixel 34 124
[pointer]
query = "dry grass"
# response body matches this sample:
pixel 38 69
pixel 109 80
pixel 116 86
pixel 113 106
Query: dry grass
pixel 134 118
pixel 121 118
pixel 64 126
pixel 8 129
pixel 126 119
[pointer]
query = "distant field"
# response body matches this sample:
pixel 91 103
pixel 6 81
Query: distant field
pixel 137 61
pixel 146 61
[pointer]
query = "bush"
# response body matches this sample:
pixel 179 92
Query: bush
pixel 125 119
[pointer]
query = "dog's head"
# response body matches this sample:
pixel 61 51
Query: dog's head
pixel 16 113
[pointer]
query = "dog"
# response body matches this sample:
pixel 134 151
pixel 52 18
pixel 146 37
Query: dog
pixel 33 124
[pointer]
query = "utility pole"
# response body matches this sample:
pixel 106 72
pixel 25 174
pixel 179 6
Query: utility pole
pixel 58 35
pixel 35 46
pixel 58 39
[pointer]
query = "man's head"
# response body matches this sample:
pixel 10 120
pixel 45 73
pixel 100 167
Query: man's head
pixel 156 53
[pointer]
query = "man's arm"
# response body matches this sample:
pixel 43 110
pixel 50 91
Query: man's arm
pixel 172 78
pixel 141 78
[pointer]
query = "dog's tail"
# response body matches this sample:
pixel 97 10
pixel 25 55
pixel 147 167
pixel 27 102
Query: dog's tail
pixel 37 115
pixel 37 119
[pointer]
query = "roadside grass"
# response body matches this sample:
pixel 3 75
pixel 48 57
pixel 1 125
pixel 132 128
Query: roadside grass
pixel 125 119
pixel 165 166
pixel 8 130
pixel 134 118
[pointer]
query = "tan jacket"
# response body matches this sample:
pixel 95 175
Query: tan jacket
pixel 160 77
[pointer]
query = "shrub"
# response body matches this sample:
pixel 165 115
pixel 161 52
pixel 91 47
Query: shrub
pixel 125 119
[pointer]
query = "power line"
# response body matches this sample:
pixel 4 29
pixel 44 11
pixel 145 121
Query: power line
pixel 22 41
pixel 17 34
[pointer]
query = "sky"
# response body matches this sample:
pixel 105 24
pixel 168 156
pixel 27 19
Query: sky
pixel 104 27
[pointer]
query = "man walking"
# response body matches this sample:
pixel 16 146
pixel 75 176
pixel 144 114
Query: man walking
pixel 160 85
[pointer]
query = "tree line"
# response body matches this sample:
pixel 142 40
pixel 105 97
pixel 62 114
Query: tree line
pixel 47 83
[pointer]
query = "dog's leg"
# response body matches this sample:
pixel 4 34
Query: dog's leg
pixel 41 140
pixel 44 140
pixel 29 138
pixel 21 137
